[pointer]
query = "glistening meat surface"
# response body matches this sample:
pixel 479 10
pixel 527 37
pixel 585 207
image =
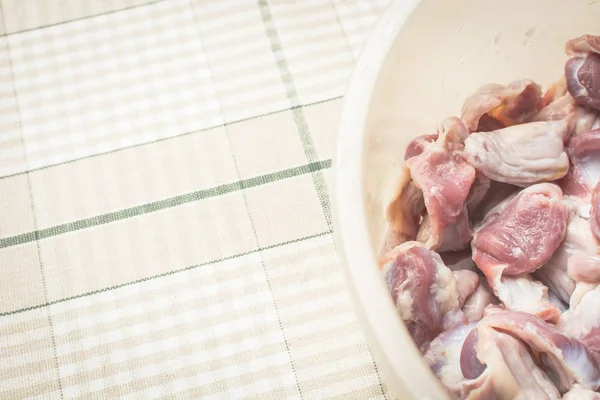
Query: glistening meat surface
pixel 524 235
pixel 578 241
pixel 492 254
pixel 584 174
pixel 521 154
pixel 502 105
pixel 424 291
pixel 582 70
pixel 445 179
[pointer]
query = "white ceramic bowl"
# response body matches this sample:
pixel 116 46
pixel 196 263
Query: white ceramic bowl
pixel 419 64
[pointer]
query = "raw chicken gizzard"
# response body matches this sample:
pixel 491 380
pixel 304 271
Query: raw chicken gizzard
pixel 491 254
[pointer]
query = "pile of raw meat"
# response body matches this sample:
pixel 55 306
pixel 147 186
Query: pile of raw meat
pixel 492 250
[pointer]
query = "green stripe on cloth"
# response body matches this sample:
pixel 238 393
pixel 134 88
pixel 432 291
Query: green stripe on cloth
pixel 177 271
pixel 257 242
pixel 234 122
pixel 300 119
pixel 166 203
pixel 301 122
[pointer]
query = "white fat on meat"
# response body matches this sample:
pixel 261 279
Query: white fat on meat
pixel 507 105
pixel 578 240
pixel 467 283
pixel 584 316
pixel 579 392
pixel 566 359
pixel 510 371
pixel 582 320
pixel 443 356
pixel 584 174
pixel 475 305
pixel 445 179
pixel 539 216
pixel 582 70
pixel 424 291
pixel 404 301
pixel 523 293
pixel 404 208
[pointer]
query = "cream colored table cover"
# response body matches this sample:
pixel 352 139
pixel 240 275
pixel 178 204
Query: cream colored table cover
pixel 165 219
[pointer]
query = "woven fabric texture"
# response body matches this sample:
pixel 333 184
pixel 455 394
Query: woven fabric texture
pixel 165 216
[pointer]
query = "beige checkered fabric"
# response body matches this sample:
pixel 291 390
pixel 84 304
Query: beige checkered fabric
pixel 165 222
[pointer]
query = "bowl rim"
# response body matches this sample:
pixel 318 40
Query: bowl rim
pixel 377 313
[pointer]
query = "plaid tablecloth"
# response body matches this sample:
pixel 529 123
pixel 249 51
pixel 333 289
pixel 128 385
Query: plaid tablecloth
pixel 165 221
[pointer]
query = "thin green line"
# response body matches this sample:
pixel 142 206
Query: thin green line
pixel 37 243
pixel 234 122
pixel 164 204
pixel 299 118
pixel 288 81
pixel 257 240
pixel 150 278
pixel 310 151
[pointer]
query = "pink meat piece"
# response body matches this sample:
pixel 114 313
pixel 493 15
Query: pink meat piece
pixel 566 360
pixel 516 238
pixel 474 294
pixel 506 105
pixel 581 289
pixel 582 320
pixel 584 314
pixel 583 44
pixel 466 284
pixel 520 155
pixel 476 303
pixel 478 192
pixel 525 235
pixel 496 194
pixel 578 240
pixel 558 104
pixel 471 366
pixel 559 109
pixel 424 291
pixel 555 91
pixel 582 70
pixel 499 366
pixel 584 174
pixel 585 120
pixel 562 106
pixel 579 392
pixel 583 267
pixel 418 145
pixel 488 124
pixel 595 211
pixel 445 179
pixel 554 276
pixel 391 239
pixel 523 293
pixel 443 357
pixel 403 212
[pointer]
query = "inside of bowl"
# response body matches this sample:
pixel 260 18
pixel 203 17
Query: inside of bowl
pixel 446 50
